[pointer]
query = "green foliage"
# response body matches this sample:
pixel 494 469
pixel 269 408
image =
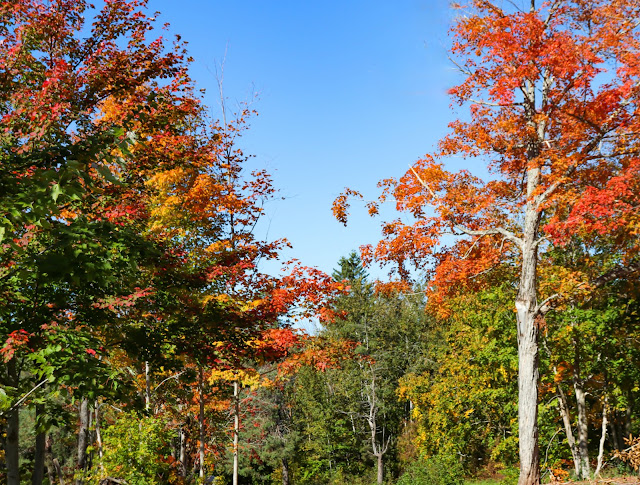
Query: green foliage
pixel 138 450
pixel 437 470
pixel 466 404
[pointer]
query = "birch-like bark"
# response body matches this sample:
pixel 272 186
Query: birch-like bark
pixel 147 387
pixel 236 429
pixel 201 422
pixel 581 405
pixel 566 419
pixel 99 434
pixel 183 452
pixel 603 436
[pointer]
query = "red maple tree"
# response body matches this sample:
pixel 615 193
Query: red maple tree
pixel 553 90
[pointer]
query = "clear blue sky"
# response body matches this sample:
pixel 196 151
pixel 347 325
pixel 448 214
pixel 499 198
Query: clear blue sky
pixel 350 92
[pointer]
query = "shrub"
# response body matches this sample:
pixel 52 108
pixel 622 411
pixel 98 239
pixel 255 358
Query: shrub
pixel 437 470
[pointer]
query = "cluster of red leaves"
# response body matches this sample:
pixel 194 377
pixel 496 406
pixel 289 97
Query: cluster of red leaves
pixel 18 341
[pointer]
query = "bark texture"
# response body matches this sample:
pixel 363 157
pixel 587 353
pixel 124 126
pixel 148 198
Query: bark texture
pixel 526 308
pixel 583 468
pixel 286 474
pixel 83 440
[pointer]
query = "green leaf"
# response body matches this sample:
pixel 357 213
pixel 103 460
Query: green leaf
pixel 55 192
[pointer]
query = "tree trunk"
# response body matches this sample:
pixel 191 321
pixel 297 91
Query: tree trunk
pixel 83 441
pixel 627 417
pixel 581 402
pixel 603 436
pixel 236 429
pixel 12 452
pixel 58 468
pixel 147 386
pixel 614 432
pixel 566 419
pixel 526 309
pixel 201 422
pixel 380 469
pixel 285 472
pixel 53 467
pixel 98 434
pixel 38 463
pixel 184 466
pixel 51 473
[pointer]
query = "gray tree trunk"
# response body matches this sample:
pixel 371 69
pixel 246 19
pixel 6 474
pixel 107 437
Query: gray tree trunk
pixel 603 436
pixel 566 419
pixel 380 469
pixel 236 428
pixel 581 404
pixel 83 440
pixel 201 422
pixel 285 472
pixel 147 386
pixel 526 308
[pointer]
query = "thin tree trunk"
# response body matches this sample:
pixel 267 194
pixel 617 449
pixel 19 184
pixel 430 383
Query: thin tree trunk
pixel 627 418
pixel 183 455
pixel 380 469
pixel 147 386
pixel 236 429
pixel 285 472
pixel 201 422
pixel 53 467
pixel 83 440
pixel 603 436
pixel 12 452
pixel 581 402
pixel 566 419
pixel 49 460
pixel 614 431
pixel 98 434
pixel 38 463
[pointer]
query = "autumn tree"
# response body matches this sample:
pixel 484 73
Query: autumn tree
pixel 552 90
pixel 66 247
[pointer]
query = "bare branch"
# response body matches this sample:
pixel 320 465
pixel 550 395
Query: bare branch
pixel 494 105
pixel 616 273
pixel 544 307
pixel 17 404
pixel 175 376
pixel 497 230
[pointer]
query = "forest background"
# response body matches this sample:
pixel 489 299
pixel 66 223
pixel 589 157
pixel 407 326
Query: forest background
pixel 149 338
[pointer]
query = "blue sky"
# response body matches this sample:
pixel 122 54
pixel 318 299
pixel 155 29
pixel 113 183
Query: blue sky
pixel 350 92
